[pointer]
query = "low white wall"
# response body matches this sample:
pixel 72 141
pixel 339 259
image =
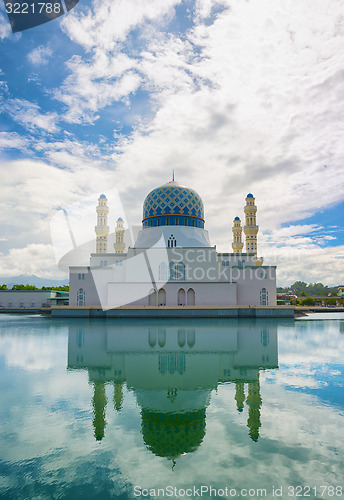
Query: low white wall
pixel 24 298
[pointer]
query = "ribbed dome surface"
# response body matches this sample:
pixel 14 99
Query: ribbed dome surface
pixel 172 199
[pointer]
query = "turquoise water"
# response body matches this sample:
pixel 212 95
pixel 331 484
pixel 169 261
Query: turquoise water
pixel 137 409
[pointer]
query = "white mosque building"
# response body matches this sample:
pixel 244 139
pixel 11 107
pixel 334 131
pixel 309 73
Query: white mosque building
pixel 172 262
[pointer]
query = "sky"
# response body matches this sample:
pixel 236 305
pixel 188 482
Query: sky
pixel 236 96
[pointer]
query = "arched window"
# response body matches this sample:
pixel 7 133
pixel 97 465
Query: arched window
pixel 152 334
pixel 81 297
pixel 191 297
pixel 181 297
pixel 171 242
pixel 177 271
pixel 80 338
pixel 264 297
pixel 181 337
pixel 152 298
pixel 264 337
pixel 162 336
pixel 162 297
pixel 191 336
pixel 163 272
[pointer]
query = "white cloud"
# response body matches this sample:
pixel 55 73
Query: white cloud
pixel 12 140
pixel 110 22
pixel 35 259
pixel 29 115
pixel 5 28
pixel 40 55
pixel 247 100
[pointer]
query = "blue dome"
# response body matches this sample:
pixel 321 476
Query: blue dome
pixel 173 204
pixel 237 218
pixel 249 195
pixel 120 219
pixel 102 196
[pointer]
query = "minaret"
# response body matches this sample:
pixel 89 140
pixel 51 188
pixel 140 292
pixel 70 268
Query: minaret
pixel 251 229
pixel 254 402
pixel 119 245
pixel 118 395
pixel 237 244
pixel 102 229
pixel 240 395
pixel 99 406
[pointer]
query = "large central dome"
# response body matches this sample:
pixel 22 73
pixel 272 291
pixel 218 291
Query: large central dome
pixel 173 205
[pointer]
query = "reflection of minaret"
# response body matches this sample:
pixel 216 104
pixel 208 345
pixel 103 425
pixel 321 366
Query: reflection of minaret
pixel 240 395
pixel 118 396
pixel 99 405
pixel 254 402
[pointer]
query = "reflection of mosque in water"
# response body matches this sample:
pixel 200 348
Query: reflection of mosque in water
pixel 172 370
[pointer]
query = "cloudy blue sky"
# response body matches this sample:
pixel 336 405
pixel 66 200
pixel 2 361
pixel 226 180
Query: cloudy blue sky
pixel 235 95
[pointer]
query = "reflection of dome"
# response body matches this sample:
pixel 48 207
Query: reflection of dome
pixel 102 196
pixel 172 434
pixel 173 205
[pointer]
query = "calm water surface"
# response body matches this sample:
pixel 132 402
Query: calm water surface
pixel 93 409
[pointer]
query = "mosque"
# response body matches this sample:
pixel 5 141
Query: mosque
pixel 172 262
pixel 163 366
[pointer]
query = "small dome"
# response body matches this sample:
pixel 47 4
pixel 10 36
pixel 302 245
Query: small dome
pixel 173 434
pixel 172 201
pixel 102 196
pixel 119 219
pixel 237 218
pixel 249 195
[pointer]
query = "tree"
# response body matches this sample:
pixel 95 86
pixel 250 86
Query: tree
pixel 308 301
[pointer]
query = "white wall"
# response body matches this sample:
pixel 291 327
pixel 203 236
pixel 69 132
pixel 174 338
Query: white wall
pixel 24 298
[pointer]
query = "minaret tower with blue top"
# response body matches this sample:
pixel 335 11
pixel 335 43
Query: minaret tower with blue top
pixel 119 245
pixel 251 229
pixel 102 228
pixel 237 244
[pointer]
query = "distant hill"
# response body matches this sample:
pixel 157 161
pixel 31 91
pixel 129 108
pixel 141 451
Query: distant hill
pixel 31 280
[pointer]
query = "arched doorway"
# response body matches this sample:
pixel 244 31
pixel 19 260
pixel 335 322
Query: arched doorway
pixel 152 298
pixel 162 297
pixel 181 297
pixel 191 297
pixel 81 297
pixel 264 297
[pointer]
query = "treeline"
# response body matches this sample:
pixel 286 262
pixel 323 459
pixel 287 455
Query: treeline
pixel 302 289
pixel 32 287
